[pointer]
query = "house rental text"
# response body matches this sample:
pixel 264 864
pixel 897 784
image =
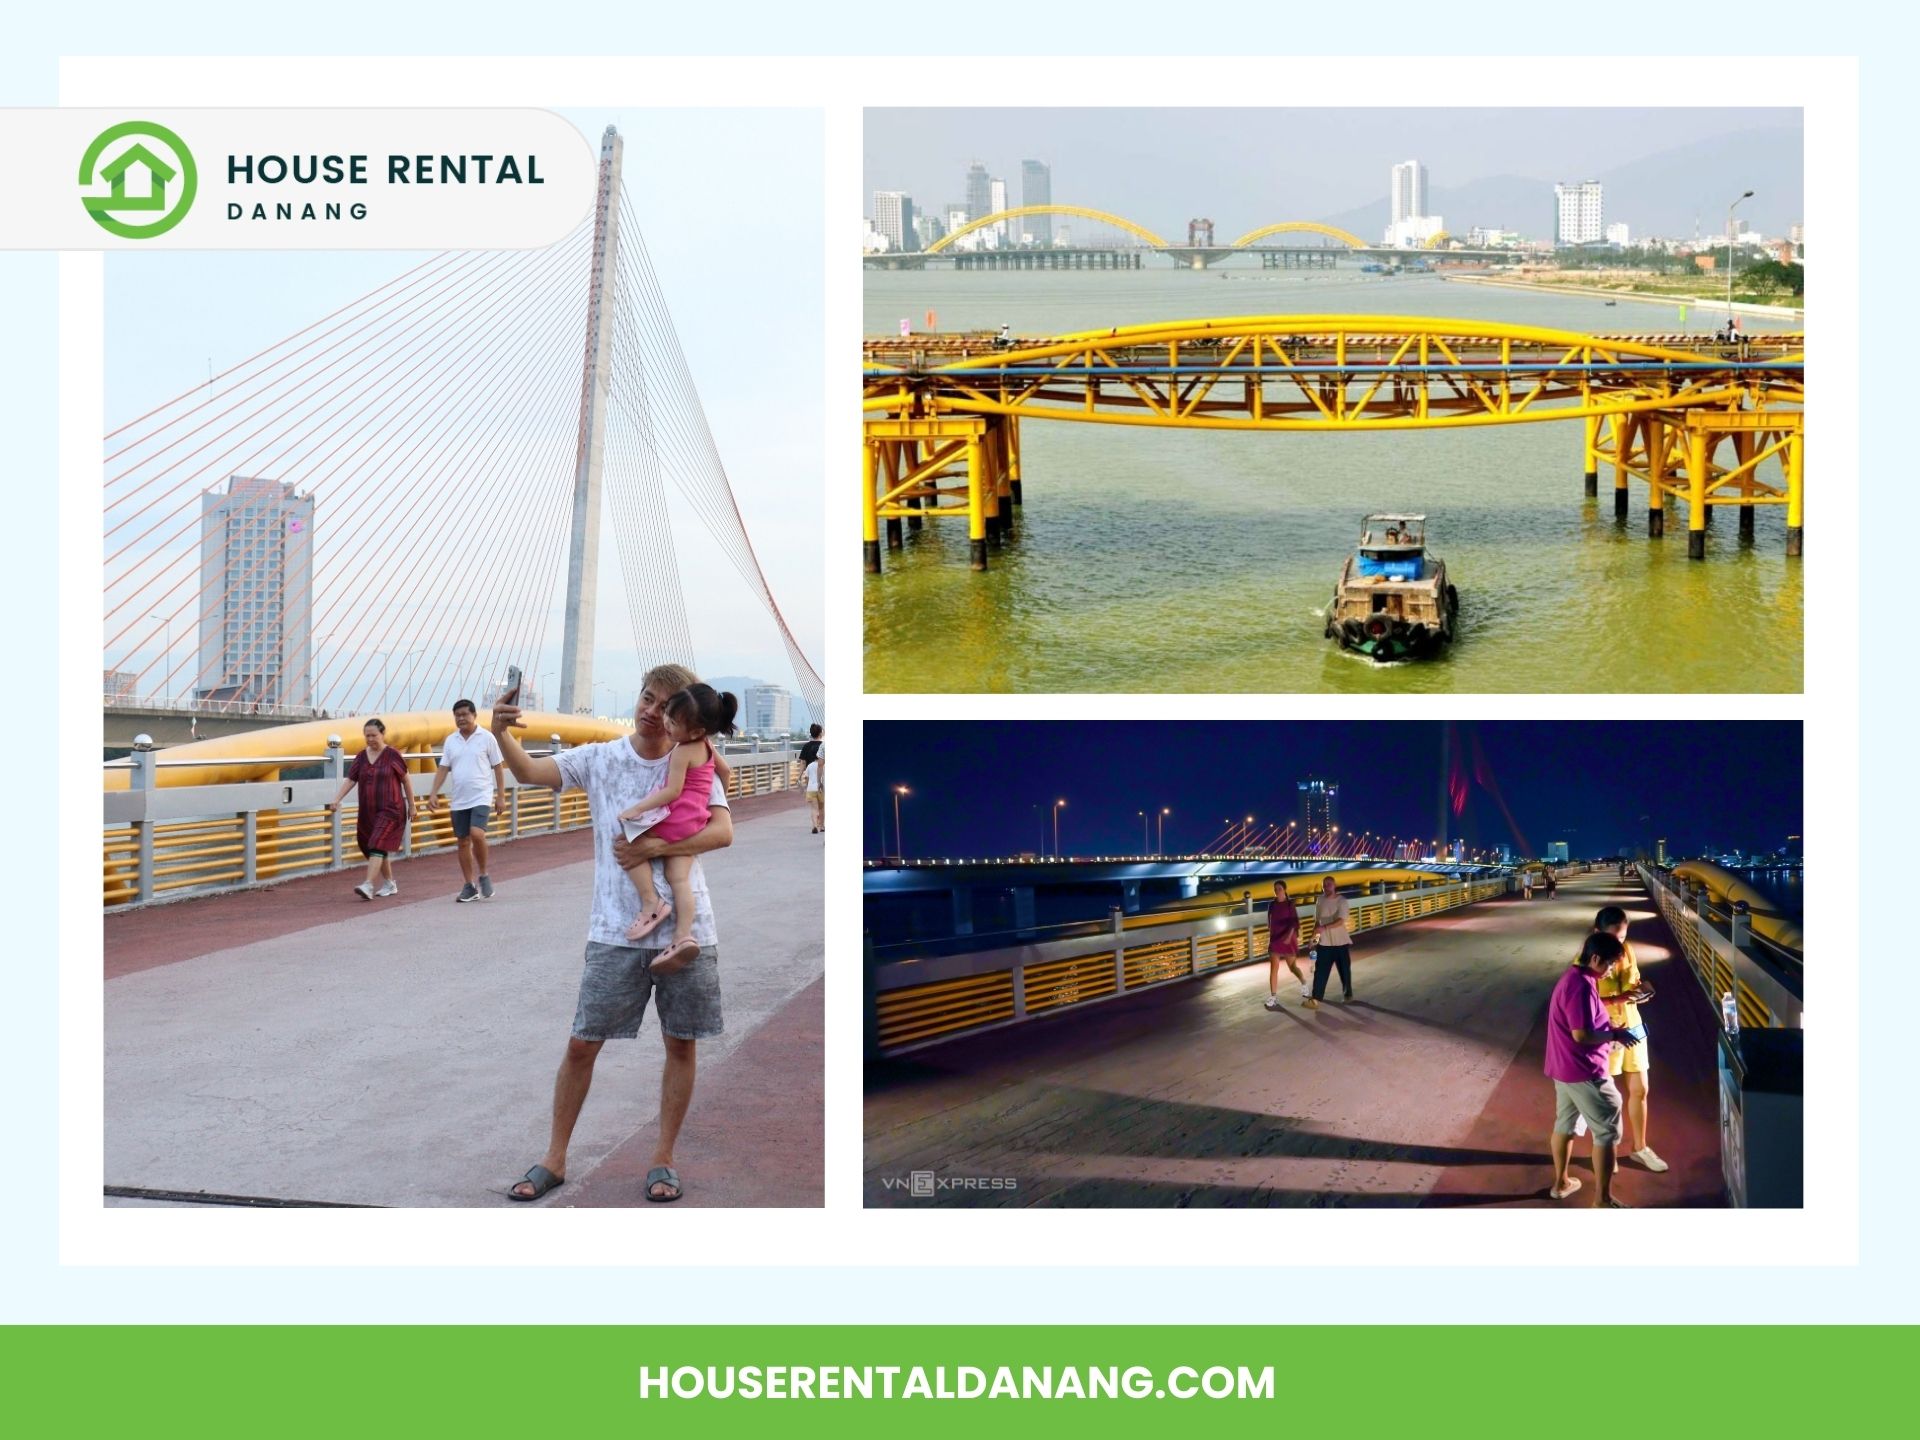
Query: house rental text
pixel 401 169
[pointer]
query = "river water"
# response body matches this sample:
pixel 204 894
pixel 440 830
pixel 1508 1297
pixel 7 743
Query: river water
pixel 1185 561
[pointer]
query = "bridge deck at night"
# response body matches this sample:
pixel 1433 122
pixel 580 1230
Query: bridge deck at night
pixel 1427 1090
pixel 293 1044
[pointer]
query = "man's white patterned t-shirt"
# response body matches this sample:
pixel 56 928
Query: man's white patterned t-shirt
pixel 615 777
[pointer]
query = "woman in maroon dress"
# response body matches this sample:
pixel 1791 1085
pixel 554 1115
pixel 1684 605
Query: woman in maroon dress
pixel 386 804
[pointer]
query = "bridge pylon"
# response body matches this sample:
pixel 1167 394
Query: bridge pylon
pixel 596 387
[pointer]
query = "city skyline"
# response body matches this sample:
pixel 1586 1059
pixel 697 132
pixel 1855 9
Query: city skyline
pixel 989 788
pixel 1143 164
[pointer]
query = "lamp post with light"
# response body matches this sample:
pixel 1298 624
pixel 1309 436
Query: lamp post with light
pixel 1744 195
pixel 1058 806
pixel 899 842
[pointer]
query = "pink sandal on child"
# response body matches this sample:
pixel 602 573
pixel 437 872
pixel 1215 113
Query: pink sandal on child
pixel 648 921
pixel 675 957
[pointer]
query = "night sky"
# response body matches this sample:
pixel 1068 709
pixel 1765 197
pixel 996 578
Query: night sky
pixel 987 789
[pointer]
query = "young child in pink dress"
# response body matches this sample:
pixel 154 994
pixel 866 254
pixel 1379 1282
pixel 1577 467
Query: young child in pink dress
pixel 678 809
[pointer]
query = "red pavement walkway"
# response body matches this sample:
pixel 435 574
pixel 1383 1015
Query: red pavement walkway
pixel 1427 1091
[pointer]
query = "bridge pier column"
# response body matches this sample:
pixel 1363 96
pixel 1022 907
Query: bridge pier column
pixel 1189 887
pixel 1796 489
pixel 1697 452
pixel 911 458
pixel 1593 457
pixel 1656 433
pixel 962 910
pixel 869 508
pixel 1130 896
pixel 976 505
pixel 1023 908
pixel 1617 430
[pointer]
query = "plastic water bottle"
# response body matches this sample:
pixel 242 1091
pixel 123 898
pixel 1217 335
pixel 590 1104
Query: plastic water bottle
pixel 1729 1013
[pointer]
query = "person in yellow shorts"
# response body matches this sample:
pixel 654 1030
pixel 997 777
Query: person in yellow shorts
pixel 1623 991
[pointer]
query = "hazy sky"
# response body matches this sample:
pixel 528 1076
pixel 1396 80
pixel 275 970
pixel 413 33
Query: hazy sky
pixel 1160 167
pixel 169 313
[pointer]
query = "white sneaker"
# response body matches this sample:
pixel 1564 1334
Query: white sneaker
pixel 1647 1158
pixel 363 890
pixel 1273 1002
pixel 388 889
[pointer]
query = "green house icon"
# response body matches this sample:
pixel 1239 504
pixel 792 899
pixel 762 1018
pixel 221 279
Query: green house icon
pixel 159 175
pixel 156 203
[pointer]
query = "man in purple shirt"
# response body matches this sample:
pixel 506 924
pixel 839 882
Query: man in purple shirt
pixel 1579 1040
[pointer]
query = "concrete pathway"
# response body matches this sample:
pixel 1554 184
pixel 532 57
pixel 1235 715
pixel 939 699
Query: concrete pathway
pixel 321 1049
pixel 1197 1095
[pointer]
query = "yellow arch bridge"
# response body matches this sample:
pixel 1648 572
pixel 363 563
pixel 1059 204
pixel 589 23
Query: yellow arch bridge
pixel 1690 417
pixel 1199 251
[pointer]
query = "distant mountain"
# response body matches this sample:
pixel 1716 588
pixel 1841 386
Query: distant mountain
pixel 1662 194
pixel 1504 202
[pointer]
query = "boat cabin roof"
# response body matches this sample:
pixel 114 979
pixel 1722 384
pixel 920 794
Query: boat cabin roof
pixel 1373 539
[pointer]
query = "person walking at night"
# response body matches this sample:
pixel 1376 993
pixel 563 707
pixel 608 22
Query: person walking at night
pixel 1553 885
pixel 1332 943
pixel 380 773
pixel 1526 884
pixel 1283 945
pixel 471 757
pixel 1579 1041
pixel 1623 992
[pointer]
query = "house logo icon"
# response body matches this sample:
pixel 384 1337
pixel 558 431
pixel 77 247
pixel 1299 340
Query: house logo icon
pixel 150 178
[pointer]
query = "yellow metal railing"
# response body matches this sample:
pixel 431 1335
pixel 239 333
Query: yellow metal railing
pixel 913 1015
pixel 210 853
pixel 1707 963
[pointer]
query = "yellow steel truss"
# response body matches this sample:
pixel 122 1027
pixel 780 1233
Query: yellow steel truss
pixel 1019 210
pixel 1658 408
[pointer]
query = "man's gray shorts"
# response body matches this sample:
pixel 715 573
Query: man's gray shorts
pixel 1598 1101
pixel 467 821
pixel 618 981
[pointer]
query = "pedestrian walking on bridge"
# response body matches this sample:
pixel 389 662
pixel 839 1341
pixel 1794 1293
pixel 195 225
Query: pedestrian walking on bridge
pixel 1332 943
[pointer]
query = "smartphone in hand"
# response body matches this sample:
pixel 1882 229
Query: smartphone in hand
pixel 511 695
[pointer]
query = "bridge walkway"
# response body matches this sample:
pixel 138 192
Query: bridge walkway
pixel 1426 1091
pixel 297 1044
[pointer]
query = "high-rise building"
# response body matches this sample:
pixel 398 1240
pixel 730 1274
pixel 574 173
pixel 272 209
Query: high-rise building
pixel 768 710
pixel 118 685
pixel 1557 852
pixel 1409 190
pixel 893 218
pixel 1620 234
pixel 997 198
pixel 1579 215
pixel 1036 188
pixel 979 191
pixel 1319 813
pixel 256 605
pixel 1411 226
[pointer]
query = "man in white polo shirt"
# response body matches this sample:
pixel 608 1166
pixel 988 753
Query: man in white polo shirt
pixel 618 980
pixel 472 757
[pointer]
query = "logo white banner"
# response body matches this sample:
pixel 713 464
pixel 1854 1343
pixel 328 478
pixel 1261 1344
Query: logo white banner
pixel 165 179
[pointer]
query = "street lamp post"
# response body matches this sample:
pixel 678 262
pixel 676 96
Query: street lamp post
pixel 1058 806
pixel 1744 195
pixel 1143 830
pixel 899 840
pixel 1164 812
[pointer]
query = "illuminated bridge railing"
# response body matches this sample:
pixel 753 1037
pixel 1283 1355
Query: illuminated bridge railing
pixel 916 1003
pixel 1764 998
pixel 168 842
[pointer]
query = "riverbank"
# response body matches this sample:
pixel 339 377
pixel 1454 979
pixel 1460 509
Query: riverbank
pixel 1713 303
